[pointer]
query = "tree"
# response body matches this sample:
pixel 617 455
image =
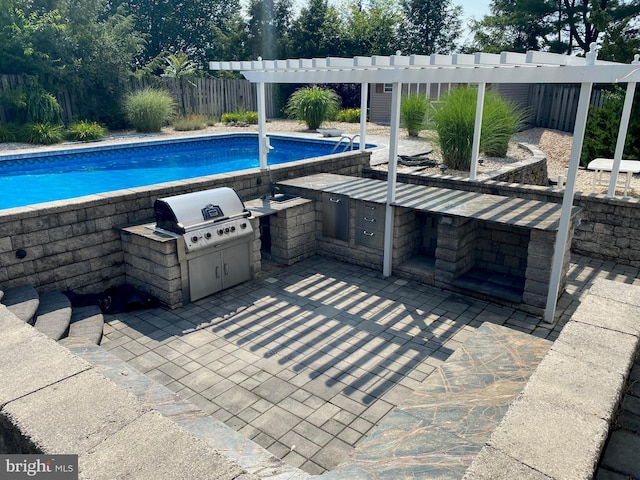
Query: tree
pixel 70 45
pixel 516 25
pixel 588 19
pixel 268 28
pixel 171 26
pixel 563 26
pixel 316 31
pixel 178 65
pixel 370 30
pixel 429 26
pixel 621 42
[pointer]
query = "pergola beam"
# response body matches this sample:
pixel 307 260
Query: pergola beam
pixel 622 136
pixel 525 73
pixel 567 202
pixel 478 69
pixel 387 259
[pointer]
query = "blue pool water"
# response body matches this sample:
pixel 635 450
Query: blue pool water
pixel 28 179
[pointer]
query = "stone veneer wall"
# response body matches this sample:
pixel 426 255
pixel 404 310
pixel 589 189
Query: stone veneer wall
pixel 406 239
pixel 455 253
pixel 609 228
pixel 75 244
pixel 532 171
pixel 293 234
pixel 502 248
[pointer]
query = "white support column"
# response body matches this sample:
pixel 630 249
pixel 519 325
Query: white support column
pixel 477 131
pixel 622 135
pixel 567 202
pixel 364 96
pixel 263 141
pixel 391 178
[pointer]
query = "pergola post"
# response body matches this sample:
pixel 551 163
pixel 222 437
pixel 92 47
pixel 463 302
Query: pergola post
pixel 477 131
pixel 364 99
pixel 567 201
pixel 622 136
pixel 263 141
pixel 391 178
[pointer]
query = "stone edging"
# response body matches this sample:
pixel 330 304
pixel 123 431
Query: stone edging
pixel 558 426
pixel 523 169
pixel 51 401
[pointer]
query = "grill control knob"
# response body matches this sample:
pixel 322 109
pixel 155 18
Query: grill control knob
pixel 243 225
pixel 226 230
pixel 194 239
pixel 220 231
pixel 207 235
pixel 233 228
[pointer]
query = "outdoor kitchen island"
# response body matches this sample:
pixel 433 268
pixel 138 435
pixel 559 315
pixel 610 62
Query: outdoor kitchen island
pixel 477 244
pixel 165 263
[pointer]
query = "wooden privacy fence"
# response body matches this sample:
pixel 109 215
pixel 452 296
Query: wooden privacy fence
pixel 549 105
pixel 555 106
pixel 207 96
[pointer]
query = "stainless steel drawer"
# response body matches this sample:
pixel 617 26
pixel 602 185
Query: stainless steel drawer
pixel 370 210
pixel 368 238
pixel 335 216
pixel 370 224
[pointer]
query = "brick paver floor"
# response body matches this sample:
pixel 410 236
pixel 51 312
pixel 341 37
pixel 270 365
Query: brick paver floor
pixel 305 360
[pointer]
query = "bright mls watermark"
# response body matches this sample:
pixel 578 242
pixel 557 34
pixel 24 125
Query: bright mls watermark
pixel 50 467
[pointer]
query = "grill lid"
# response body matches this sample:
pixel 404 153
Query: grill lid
pixel 189 211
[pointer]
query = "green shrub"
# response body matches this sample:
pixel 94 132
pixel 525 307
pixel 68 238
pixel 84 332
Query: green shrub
pixel 14 101
pixel 42 107
pixel 149 109
pixel 230 117
pixel 601 133
pixel 313 105
pixel 41 133
pixel 455 119
pixel 9 132
pixel 240 116
pixel 454 122
pixel 413 111
pixel 193 121
pixel 500 120
pixel 85 131
pixel 349 115
pixel 251 117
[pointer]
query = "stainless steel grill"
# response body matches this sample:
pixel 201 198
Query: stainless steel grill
pixel 215 234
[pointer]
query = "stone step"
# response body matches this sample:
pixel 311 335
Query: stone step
pixel 22 301
pixel 53 315
pixel 87 322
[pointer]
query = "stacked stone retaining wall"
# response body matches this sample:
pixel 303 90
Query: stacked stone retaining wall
pixel 75 244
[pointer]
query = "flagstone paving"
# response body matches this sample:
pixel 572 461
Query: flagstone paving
pixel 305 360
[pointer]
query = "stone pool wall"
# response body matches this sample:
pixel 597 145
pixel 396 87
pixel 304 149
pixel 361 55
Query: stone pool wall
pixel 75 244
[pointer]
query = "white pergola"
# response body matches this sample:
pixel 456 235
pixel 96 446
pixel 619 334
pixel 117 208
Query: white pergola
pixel 478 68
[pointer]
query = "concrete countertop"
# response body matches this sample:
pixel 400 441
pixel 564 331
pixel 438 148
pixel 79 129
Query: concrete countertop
pixel 148 230
pixel 520 212
pixel 262 206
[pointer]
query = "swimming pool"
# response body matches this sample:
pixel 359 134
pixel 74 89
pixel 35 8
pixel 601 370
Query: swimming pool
pixel 26 179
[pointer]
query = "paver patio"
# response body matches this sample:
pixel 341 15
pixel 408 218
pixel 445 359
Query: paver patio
pixel 305 360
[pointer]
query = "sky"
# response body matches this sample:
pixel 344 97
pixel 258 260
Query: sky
pixel 475 9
